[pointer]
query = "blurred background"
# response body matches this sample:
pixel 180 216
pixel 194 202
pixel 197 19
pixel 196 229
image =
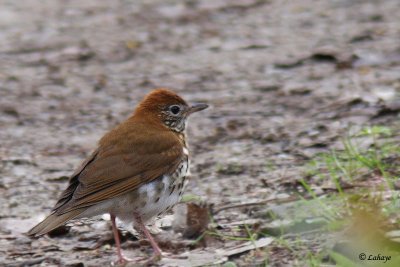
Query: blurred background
pixel 295 164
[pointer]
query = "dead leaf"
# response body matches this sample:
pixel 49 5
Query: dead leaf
pixel 191 219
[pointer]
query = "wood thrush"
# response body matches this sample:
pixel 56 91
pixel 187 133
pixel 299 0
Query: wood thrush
pixel 138 171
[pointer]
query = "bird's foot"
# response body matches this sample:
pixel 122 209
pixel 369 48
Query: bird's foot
pixel 122 261
pixel 145 261
pixel 150 262
pixel 137 261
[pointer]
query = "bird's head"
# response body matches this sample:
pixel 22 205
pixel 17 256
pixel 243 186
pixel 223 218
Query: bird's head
pixel 168 108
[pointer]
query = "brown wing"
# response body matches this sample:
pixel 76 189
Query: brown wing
pixel 120 165
pixel 74 182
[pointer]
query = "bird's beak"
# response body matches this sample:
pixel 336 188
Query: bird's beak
pixel 197 107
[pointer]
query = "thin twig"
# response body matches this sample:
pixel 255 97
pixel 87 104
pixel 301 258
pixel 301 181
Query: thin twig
pixel 256 203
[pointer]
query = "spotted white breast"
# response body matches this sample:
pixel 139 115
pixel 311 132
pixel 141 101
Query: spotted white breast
pixel 150 200
pixel 163 194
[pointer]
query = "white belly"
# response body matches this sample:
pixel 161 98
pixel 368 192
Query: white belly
pixel 150 200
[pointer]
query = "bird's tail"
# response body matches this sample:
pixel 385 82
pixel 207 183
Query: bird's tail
pixel 53 221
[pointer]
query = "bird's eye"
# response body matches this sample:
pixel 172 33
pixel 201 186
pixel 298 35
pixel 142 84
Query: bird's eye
pixel 175 109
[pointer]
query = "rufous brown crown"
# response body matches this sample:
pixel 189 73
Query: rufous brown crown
pixel 167 107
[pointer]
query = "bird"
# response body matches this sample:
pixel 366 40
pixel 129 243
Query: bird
pixel 138 171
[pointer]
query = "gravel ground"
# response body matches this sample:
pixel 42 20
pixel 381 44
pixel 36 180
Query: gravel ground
pixel 285 80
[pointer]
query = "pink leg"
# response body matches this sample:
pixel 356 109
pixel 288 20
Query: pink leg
pixel 121 258
pixel 143 229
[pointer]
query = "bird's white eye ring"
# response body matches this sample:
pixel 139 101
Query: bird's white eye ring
pixel 175 109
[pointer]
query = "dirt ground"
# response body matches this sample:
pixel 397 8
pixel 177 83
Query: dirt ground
pixel 285 81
